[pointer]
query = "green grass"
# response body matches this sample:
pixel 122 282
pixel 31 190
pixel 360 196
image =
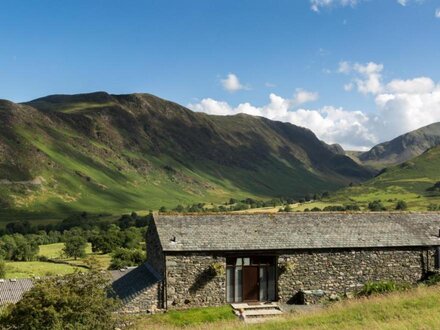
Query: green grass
pixel 27 269
pixel 408 181
pixel 414 309
pixel 120 171
pixel 62 266
pixel 55 251
pixel 192 317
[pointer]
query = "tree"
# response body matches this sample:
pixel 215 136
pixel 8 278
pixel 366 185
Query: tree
pixel 75 301
pixel 376 206
pixel 75 247
pixel 2 269
pixel 401 206
pixel 126 257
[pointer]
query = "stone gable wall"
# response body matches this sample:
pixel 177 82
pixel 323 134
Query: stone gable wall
pixel 191 282
pixel 337 272
pixel 148 301
pixel 155 255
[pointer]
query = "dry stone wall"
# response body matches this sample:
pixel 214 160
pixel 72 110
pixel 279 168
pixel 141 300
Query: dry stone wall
pixel 191 280
pixel 338 272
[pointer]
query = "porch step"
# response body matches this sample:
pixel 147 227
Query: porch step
pixel 259 312
pixel 250 306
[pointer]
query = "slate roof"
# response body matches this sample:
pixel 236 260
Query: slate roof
pixel 129 283
pixel 11 291
pixel 308 230
pixel 126 283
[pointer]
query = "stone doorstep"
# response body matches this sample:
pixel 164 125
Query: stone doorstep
pixel 260 305
pixel 257 312
pixel 263 313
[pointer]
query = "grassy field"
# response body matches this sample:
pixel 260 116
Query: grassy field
pixel 408 181
pixel 415 309
pixel 55 251
pixel 62 266
pixel 27 269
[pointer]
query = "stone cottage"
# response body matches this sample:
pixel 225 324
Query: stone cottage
pixel 206 260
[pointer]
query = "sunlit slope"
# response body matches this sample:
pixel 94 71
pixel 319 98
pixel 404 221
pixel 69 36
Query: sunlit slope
pixel 117 153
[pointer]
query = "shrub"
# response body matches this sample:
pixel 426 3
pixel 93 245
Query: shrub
pixel 433 207
pixel 122 258
pixel 76 301
pixel 382 287
pixel 2 269
pixel 434 279
pixel 376 206
pixel 401 206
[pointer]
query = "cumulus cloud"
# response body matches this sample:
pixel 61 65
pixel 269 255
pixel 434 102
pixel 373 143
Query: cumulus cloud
pixel 367 77
pixel 437 13
pixel 332 124
pixel 411 86
pixel 401 105
pixel 232 84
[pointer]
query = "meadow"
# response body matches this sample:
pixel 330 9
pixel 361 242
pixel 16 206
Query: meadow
pixel 417 308
pixel 57 264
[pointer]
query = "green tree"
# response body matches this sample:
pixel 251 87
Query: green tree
pixel 401 206
pixel 76 301
pixel 75 247
pixel 2 269
pixel 122 257
pixel 376 206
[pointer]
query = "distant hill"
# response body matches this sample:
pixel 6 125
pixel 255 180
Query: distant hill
pixel 116 153
pixel 402 148
pixel 413 181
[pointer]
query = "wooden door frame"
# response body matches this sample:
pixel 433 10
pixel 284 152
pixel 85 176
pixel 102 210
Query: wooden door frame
pixel 233 267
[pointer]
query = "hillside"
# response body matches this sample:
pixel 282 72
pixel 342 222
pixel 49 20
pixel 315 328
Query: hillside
pixel 403 147
pixel 117 153
pixel 410 181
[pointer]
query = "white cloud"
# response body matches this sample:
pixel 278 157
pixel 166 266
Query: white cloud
pixel 437 13
pixel 232 84
pixel 411 86
pixel 406 110
pixel 333 125
pixel 401 105
pixel 270 85
pixel 316 5
pixel 367 77
pixel 303 96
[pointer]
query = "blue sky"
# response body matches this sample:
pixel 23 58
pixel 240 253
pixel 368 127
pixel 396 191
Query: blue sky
pixel 304 62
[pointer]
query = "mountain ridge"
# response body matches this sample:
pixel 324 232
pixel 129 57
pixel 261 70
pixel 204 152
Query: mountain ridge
pixel 137 151
pixel 403 147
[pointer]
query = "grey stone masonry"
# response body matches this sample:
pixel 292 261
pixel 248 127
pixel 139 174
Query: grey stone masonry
pixel 155 255
pixel 337 272
pixel 191 281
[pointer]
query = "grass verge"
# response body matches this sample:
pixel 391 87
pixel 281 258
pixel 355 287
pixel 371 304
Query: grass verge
pixel 418 308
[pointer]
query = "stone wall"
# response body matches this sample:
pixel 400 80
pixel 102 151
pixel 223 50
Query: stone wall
pixel 148 301
pixel 155 255
pixel 337 272
pixel 191 281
